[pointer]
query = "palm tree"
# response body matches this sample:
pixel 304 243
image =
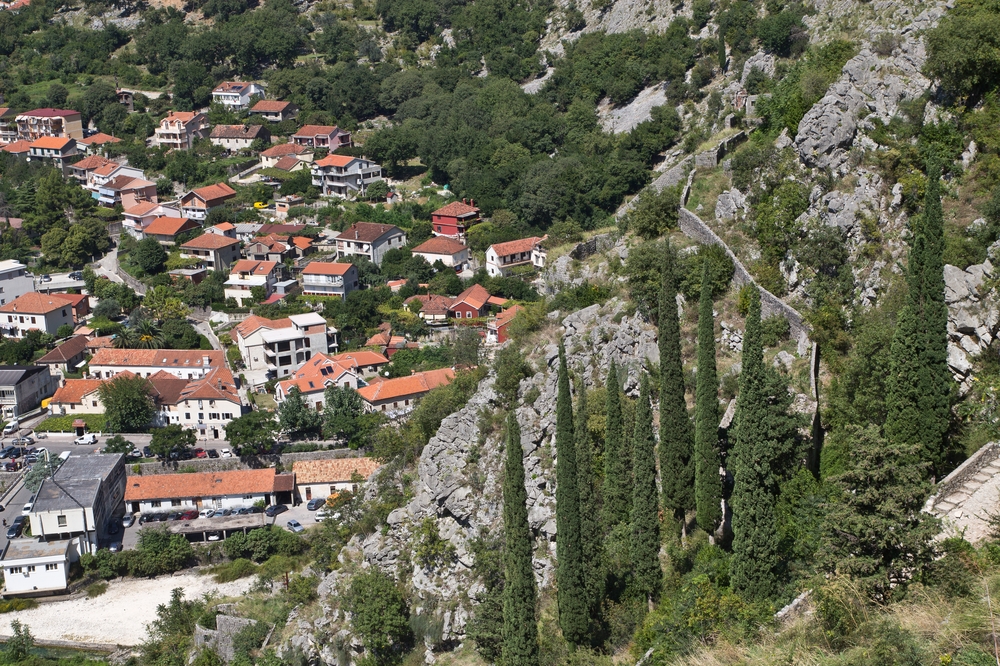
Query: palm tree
pixel 144 335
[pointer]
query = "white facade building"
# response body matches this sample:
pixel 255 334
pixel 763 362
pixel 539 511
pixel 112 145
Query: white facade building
pixel 279 346
pixel 235 95
pixel 503 258
pixel 34 311
pixel 344 176
pixel 35 568
pixel 216 490
pixel 15 280
pixel 369 240
pixel 183 364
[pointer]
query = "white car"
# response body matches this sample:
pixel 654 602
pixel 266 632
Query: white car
pixel 226 453
pixel 26 509
pixel 319 515
pixel 206 513
pixel 86 440
pixel 11 428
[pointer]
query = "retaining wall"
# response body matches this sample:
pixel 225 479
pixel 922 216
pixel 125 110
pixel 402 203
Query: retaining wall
pixel 137 286
pixel 592 246
pixel 233 464
pixel 710 159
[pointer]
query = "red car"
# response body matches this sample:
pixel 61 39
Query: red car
pixel 189 515
pixel 200 453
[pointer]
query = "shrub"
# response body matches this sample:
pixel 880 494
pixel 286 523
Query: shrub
pixel 720 271
pixel 11 605
pixel 96 589
pixel 239 568
pixel 774 330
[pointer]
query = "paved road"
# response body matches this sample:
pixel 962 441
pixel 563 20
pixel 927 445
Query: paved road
pixel 108 265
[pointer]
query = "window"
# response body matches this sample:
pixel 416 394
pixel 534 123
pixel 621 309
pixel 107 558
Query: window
pixel 468 315
pixel 187 416
pixel 226 416
pixel 175 502
pixel 52 567
pixel 155 504
pixel 31 568
pixel 61 521
pixel 15 570
pixel 248 497
pixel 93 403
pixel 201 416
pixel 33 319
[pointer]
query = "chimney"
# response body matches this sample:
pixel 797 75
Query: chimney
pixel 464 201
pixel 355 234
pixel 472 202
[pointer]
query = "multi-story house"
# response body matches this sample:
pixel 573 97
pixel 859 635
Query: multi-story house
pixel 235 95
pixel 399 395
pixel 166 229
pixel 206 405
pixel 126 191
pixel 312 379
pixel 81 171
pixel 330 137
pixel 61 123
pixel 447 250
pixel 34 311
pixel 93 143
pixel 454 219
pixel 281 345
pixel 141 215
pixel 344 176
pixel 285 151
pixel 54 150
pixel 363 362
pixel 369 240
pixel 329 279
pixel 196 204
pixel 15 281
pixel 215 252
pixel 471 303
pixel 101 174
pixel 8 125
pixel 274 111
pixel 502 258
pixel 246 274
pixel 238 137
pixel 23 387
pixel 179 130
pixel 183 364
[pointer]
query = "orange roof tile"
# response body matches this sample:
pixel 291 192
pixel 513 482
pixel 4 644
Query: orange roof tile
pixel 72 392
pixel 325 268
pixel 270 106
pixel 432 304
pixel 17 147
pixel 182 116
pixel 476 296
pixel 283 149
pixel 302 242
pixel 169 226
pixel 315 130
pixel 52 142
pixel 359 358
pixel 141 208
pixel 456 209
pixel 73 347
pixel 440 245
pixel 224 227
pixel 332 470
pixel 209 242
pixel 216 385
pixel 286 163
pixel 92 162
pixel 162 358
pixel 516 246
pixel 207 484
pixel 253 267
pixel 211 192
pixel 507 316
pixel 416 384
pixel 72 299
pixel 335 160
pixel 99 139
pixel 367 232
pixel 315 375
pixel 34 303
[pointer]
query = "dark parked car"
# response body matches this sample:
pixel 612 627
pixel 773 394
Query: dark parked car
pixel 274 510
pixel 212 453
pixel 159 517
pixel 147 452
pixel 15 528
pixel 174 515
pixel 113 527
pixel 315 504
pixel 11 467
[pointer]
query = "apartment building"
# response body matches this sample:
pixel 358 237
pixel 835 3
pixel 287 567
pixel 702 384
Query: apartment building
pixel 278 346
pixel 215 252
pixel 246 274
pixel 43 312
pixel 344 176
pixel 61 123
pixel 330 137
pixel 15 280
pixel 369 240
pixel 196 204
pixel 179 130
pixel 329 279
pixel 235 95
pixel 53 149
pixel 138 217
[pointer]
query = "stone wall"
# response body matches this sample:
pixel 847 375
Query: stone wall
pixel 710 159
pixel 232 464
pixel 592 246
pixel 137 286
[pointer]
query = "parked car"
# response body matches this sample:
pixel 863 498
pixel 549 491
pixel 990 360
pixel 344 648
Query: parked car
pixel 212 453
pixel 206 513
pixel 134 454
pixel 274 510
pixel 226 453
pixel 320 515
pixel 147 452
pixel 200 453
pixel 174 515
pixel 115 547
pixel 315 504
pixel 30 459
pixel 159 517
pixel 11 428
pixel 128 520
pixel 215 536
pixel 11 467
pixel 76 275
pixel 27 440
pixel 221 513
pixel 113 527
pixel 15 528
pixel 26 509
pixel 6 451
pixel 190 514
pixel 87 440
pixel 295 526
pixel 45 278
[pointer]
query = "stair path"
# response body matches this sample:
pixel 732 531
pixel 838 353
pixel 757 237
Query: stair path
pixel 967 497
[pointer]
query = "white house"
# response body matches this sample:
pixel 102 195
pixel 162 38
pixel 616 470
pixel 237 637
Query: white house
pixel 35 568
pixel 15 280
pixel 503 258
pixel 344 176
pixel 320 479
pixel 141 215
pixel 312 379
pixel 246 274
pixel 23 387
pixel 329 279
pixel 183 364
pixel 216 490
pixel 369 240
pixel 281 345
pixel 447 250
pixel 204 405
pixel 238 137
pixel 214 251
pixel 179 129
pixel 235 95
pixel 34 311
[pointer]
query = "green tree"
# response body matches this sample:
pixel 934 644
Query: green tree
pixel 676 433
pixel 572 596
pixel 171 437
pixel 876 532
pixel 647 575
pixel 117 444
pixel 64 331
pixel 20 644
pixel 616 484
pixel 128 406
pixel 380 617
pixel 708 484
pixel 963 51
pixel 656 213
pixel 510 368
pixel 258 294
pixel 150 256
pixel 295 417
pixel 252 433
pixel 590 514
pixel 520 629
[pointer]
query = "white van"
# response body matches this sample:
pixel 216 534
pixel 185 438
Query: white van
pixel 11 427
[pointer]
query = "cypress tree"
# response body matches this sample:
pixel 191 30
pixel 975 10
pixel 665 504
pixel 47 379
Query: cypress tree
pixel 571 594
pixel 590 517
pixel 520 631
pixel 936 389
pixel 616 483
pixel 676 433
pixel 754 568
pixel 645 505
pixel 708 483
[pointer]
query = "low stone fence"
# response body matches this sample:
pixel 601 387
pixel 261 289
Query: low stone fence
pixel 137 286
pixel 233 464
pixel 988 453
pixel 592 246
pixel 710 159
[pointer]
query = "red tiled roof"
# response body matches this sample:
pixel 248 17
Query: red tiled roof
pixel 456 209
pixel 49 112
pixel 209 242
pixel 440 245
pixel 315 130
pixel 224 227
pixel 72 299
pixel 286 163
pixel 73 390
pixel 416 384
pixel 34 303
pixel 335 160
pixel 323 268
pixel 216 385
pixel 237 131
pixel 17 147
pixel 169 226
pixel 516 246
pixel 217 191
pixel 101 342
pixel 141 208
pixel 107 168
pixel 231 86
pixel 270 106
pixel 315 375
pixel 99 139
pixel 362 357
pixel 476 296
pixel 433 304
pixel 367 232
pixel 253 267
pixel 507 315
pixel 335 470
pixel 206 484
pixel 92 162
pixel 162 358
pixel 302 242
pixel 52 142
pixel 283 149
pixel 254 323
pixel 182 116
pixel 496 300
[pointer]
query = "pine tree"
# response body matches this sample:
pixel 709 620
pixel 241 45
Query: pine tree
pixel 708 483
pixel 520 630
pixel 754 568
pixel 590 517
pixel 616 483
pixel 572 597
pixel 936 385
pixel 647 574
pixel 676 433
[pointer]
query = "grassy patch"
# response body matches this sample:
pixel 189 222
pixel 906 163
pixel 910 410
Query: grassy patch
pixel 706 188
pixel 230 571
pixel 97 589
pixel 265 401
pixel 11 605
pixel 95 423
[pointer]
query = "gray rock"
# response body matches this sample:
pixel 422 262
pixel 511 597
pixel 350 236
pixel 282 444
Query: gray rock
pixel 827 130
pixel 760 60
pixel 783 360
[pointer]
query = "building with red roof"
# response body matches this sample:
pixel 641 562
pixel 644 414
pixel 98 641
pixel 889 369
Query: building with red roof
pixel 445 249
pixel 279 346
pixel 81 170
pixel 80 303
pixel 53 150
pixel 222 490
pixel 235 95
pixel 454 219
pixel 433 308
pixel 35 311
pixel 138 217
pixel 314 377
pixel 238 137
pixel 330 137
pixel 344 176
pixel 496 328
pixel 165 229
pixel 21 148
pixel 369 240
pixel 63 123
pixel 400 395
pixel 471 303
pixel 329 279
pixel 247 274
pixel 94 142
pixel 214 251
pixel 504 258
pixel 179 130
pixel 196 204
pixel 181 363
pixel 274 110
